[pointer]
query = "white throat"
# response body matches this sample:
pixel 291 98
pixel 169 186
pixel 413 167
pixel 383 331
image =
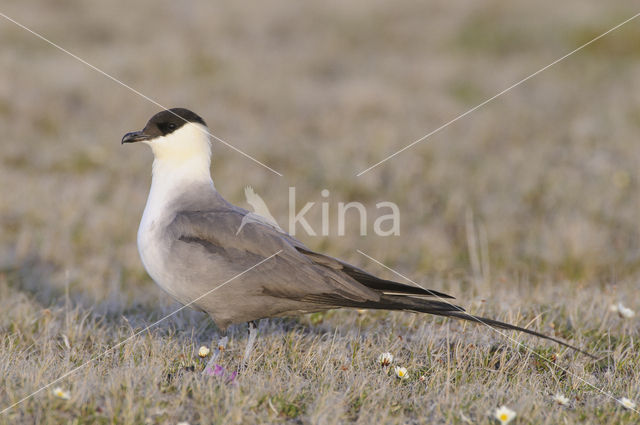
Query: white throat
pixel 182 159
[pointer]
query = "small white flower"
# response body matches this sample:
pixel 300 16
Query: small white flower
pixel 204 351
pixel 625 312
pixel 60 393
pixel 504 415
pixel 401 372
pixel 385 359
pixel 613 308
pixel 561 399
pixel 627 404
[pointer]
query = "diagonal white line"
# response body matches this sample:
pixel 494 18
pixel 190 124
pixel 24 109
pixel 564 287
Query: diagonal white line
pixel 147 98
pixel 442 127
pixel 135 334
pixel 499 331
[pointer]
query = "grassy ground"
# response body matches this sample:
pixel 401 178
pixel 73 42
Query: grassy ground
pixel 527 210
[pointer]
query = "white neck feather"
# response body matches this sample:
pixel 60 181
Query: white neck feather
pixel 182 159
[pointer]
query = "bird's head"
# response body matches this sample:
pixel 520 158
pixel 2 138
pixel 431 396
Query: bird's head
pixel 177 136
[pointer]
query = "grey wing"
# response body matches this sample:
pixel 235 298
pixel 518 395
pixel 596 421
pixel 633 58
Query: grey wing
pixel 208 244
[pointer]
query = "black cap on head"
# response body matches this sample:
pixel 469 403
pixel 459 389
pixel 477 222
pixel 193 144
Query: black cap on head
pixel 163 123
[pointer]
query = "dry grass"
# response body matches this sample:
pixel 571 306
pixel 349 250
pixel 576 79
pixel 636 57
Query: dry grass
pixel 545 180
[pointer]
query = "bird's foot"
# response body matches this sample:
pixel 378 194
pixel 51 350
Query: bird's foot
pixel 253 333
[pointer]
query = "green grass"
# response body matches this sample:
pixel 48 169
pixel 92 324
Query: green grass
pixel 312 369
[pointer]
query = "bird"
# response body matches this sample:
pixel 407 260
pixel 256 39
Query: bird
pixel 189 244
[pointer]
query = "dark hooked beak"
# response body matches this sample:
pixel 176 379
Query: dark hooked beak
pixel 135 136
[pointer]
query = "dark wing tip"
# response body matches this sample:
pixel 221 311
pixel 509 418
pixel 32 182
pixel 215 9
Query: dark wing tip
pixel 392 287
pixel 370 281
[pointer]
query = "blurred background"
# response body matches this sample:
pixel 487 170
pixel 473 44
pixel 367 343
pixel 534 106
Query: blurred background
pixel 539 185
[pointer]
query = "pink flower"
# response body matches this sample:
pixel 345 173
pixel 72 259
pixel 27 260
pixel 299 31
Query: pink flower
pixel 218 371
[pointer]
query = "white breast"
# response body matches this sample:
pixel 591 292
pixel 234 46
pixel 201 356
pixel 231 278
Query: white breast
pixel 154 242
pixel 153 251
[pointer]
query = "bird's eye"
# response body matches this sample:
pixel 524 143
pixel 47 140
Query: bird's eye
pixel 167 127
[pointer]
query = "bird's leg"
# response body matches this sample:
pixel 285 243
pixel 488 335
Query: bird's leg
pixel 253 333
pixel 222 344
